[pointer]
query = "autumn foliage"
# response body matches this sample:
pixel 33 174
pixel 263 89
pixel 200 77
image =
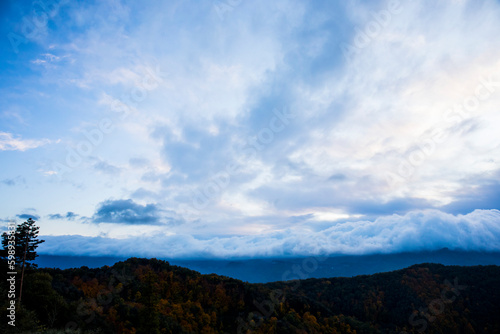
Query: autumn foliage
pixel 151 296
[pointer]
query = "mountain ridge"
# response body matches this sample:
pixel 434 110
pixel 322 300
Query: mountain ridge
pixel 152 296
pixel 262 270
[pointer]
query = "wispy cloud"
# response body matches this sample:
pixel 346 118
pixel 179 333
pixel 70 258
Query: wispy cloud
pixel 9 143
pixel 69 216
pixel 107 168
pixel 18 180
pixel 407 122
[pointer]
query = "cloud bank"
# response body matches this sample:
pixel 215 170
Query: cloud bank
pixel 414 231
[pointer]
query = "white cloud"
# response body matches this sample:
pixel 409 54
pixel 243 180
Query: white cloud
pixel 355 121
pixel 415 231
pixel 9 143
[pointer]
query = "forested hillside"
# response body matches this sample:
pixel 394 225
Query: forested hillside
pixel 151 296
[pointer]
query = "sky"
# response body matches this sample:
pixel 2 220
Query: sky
pixel 239 128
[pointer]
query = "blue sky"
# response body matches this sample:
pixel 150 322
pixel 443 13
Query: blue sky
pixel 251 128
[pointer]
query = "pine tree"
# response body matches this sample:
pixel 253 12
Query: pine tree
pixel 26 238
pixel 26 243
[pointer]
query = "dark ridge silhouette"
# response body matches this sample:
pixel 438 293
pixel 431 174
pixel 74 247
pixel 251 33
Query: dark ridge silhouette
pixel 274 269
pixel 153 296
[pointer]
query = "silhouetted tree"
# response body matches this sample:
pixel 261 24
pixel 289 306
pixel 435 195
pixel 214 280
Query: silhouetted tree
pixel 25 238
pixel 24 243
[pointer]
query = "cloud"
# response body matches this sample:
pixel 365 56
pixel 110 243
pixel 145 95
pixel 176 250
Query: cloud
pixel 14 181
pixel 356 120
pixel 139 162
pixel 478 195
pixel 47 60
pixel 142 193
pixel 127 212
pixel 414 231
pixel 69 215
pixel 14 114
pixel 9 143
pixel 107 168
pixel 27 216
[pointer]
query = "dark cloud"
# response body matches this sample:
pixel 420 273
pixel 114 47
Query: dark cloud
pixel 127 212
pixel 27 216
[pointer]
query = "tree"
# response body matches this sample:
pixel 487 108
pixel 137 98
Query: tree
pixel 149 321
pixel 25 243
pixel 41 297
pixel 26 238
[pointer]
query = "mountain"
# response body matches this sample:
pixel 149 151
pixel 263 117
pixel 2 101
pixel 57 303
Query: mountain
pixel 153 296
pixel 278 269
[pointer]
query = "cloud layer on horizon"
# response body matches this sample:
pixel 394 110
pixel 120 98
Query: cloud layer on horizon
pixel 414 231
